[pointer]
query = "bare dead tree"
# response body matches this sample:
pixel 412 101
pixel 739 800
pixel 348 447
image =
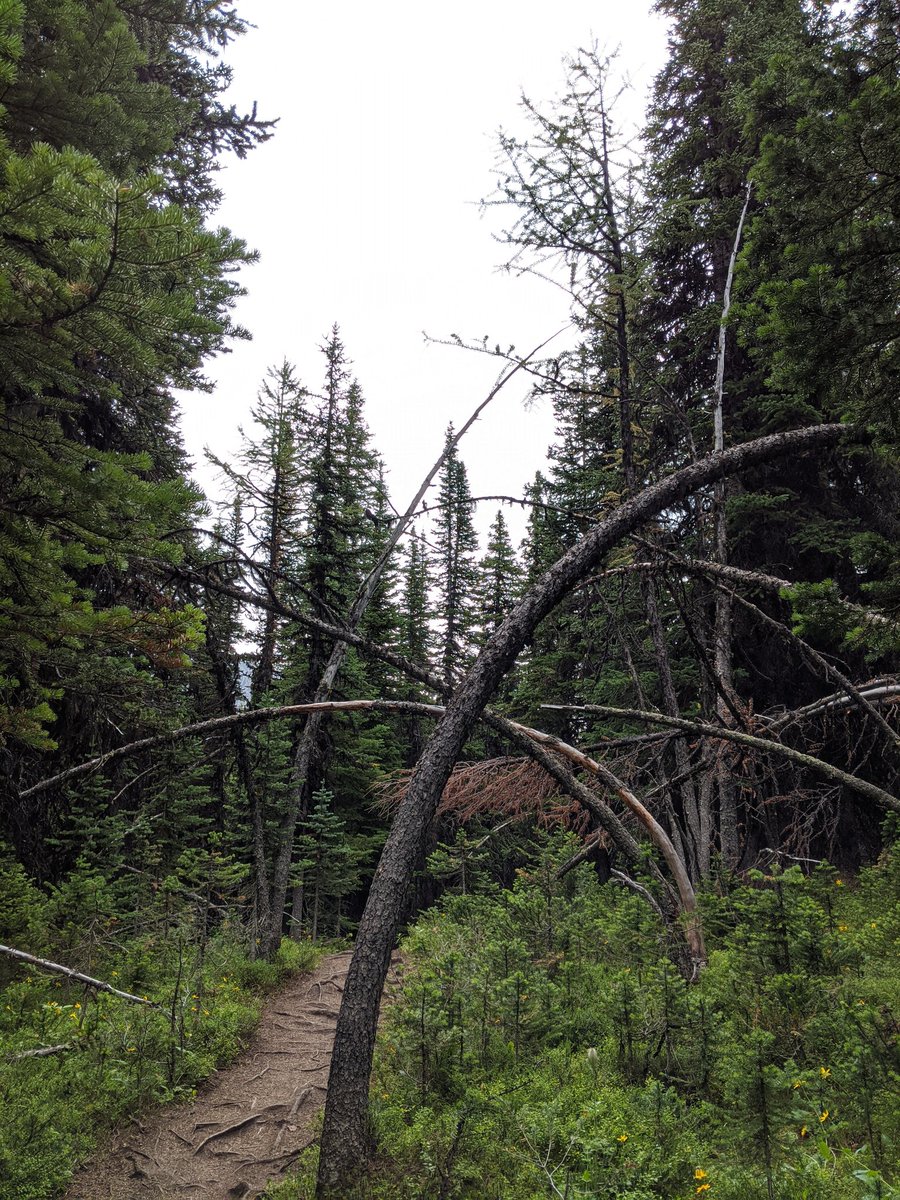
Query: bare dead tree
pixel 722 625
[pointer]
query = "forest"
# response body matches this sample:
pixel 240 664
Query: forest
pixel 609 817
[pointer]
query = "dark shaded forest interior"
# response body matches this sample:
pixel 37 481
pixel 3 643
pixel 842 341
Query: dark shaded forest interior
pixel 625 795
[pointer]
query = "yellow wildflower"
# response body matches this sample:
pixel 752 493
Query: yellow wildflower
pixel 823 1116
pixel 804 1132
pixel 798 1083
pixel 839 883
pixel 842 928
pixel 699 1173
pixel 622 1138
pixel 824 1072
pixel 704 1187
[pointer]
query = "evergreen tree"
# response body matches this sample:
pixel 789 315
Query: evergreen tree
pixel 271 482
pixel 456 545
pixel 330 567
pixel 133 85
pixel 111 298
pixel 500 578
pixel 417 635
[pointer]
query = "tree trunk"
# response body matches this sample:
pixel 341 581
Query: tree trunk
pixel 729 839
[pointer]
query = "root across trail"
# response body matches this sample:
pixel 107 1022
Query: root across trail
pixel 248 1123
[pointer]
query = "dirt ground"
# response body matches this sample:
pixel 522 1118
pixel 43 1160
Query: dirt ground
pixel 251 1119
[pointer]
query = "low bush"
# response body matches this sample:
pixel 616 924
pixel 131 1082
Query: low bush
pixel 119 1057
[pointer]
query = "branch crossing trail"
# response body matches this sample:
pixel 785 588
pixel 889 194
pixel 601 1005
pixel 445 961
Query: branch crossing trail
pixel 249 1121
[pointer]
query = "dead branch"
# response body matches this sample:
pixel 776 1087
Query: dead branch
pixel 582 855
pixel 253 716
pixel 512 786
pixel 831 672
pixel 638 888
pixel 877 692
pixel 97 984
pixel 40 1052
pixel 759 580
pixel 862 786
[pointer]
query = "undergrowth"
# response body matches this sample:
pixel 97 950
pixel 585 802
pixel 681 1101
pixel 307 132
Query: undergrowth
pixel 544 1044
pixel 118 1057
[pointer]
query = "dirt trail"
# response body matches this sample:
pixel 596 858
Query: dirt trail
pixel 251 1119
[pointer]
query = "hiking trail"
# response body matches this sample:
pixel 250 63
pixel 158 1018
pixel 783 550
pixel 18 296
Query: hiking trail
pixel 249 1121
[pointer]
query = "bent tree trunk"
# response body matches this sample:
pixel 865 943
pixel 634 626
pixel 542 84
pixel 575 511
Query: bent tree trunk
pixel 345 1136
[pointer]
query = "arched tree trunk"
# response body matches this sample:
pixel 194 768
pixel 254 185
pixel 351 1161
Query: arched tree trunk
pixel 345 1135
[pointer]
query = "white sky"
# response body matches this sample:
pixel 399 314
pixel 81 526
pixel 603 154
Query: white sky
pixel 364 209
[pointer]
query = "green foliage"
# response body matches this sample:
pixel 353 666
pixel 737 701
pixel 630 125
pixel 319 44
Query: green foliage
pixel 120 1056
pixel 21 919
pixel 542 1034
pixel 456 543
pixel 329 864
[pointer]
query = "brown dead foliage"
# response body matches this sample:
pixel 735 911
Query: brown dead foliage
pixel 506 786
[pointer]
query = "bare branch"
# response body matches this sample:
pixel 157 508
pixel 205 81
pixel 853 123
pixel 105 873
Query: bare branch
pixel 40 1052
pixel 862 786
pixel 98 984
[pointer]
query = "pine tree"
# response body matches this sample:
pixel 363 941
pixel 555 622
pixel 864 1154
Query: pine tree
pixel 456 545
pixel 133 85
pixel 500 578
pixel 417 635
pixel 111 298
pixel 270 481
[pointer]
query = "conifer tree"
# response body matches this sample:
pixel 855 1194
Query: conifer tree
pixel 417 635
pixel 112 297
pixel 499 578
pixel 456 544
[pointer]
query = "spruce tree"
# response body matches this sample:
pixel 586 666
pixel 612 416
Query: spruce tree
pixel 456 544
pixel 112 296
pixel 499 578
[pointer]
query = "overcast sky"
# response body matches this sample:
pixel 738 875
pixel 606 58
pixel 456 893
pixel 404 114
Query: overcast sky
pixel 364 210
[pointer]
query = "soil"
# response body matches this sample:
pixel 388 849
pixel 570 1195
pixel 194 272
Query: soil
pixel 250 1121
